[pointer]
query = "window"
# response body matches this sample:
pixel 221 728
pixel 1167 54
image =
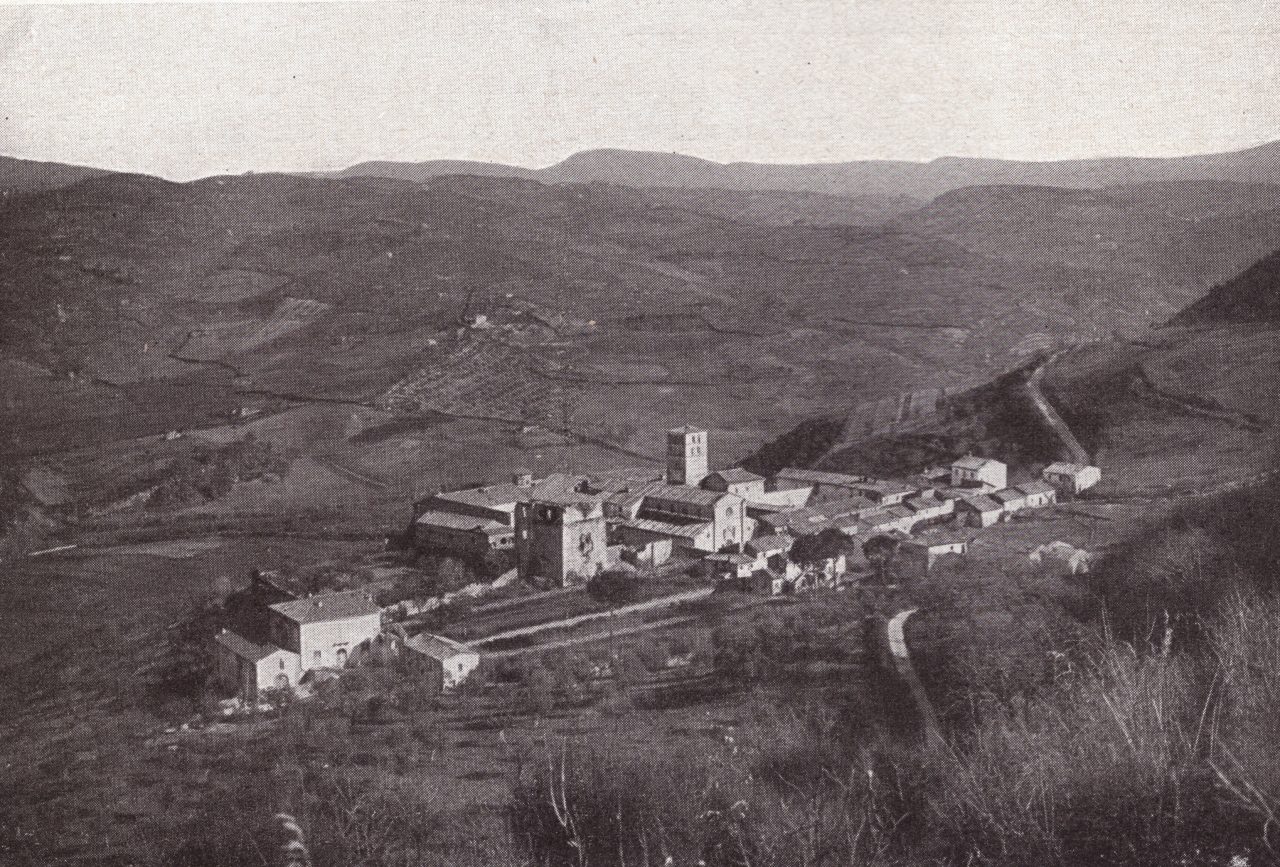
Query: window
pixel 281 664
pixel 315 657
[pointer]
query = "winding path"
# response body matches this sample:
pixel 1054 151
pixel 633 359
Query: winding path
pixel 902 662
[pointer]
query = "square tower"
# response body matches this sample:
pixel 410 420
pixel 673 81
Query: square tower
pixel 561 541
pixel 686 455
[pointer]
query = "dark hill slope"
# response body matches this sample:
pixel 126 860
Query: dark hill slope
pixel 869 177
pixel 1253 296
pixel 28 176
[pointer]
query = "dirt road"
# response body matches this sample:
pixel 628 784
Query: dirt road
pixel 1076 452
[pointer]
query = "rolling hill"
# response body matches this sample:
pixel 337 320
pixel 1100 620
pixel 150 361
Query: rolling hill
pixel 29 176
pixel 386 336
pixel 862 178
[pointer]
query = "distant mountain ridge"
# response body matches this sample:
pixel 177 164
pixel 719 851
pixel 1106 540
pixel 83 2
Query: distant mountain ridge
pixel 927 180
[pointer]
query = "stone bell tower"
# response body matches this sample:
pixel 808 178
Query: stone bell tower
pixel 686 455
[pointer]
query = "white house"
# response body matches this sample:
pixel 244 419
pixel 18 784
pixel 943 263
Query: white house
pixel 250 666
pixel 1071 477
pixel 1038 494
pixel 323 629
pixel 975 472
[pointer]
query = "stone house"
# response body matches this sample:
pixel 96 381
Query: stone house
pixel 447 661
pixel 737 481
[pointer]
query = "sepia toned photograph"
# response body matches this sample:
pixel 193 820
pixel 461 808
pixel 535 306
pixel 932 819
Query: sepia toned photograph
pixel 640 433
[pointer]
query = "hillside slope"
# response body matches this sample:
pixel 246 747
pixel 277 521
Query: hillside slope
pixel 29 176
pixel 1253 296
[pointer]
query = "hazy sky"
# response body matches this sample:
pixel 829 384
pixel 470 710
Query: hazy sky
pixel 184 90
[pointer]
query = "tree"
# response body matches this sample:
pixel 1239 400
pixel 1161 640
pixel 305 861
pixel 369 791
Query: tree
pixel 880 551
pixel 819 547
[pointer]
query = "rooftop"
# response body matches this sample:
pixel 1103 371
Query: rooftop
pixel 451 521
pixel 818 477
pixel 770 542
pixel 1008 495
pixel 665 528
pixel 437 646
pixel 325 607
pixel 982 504
pixel 1036 487
pixel 972 462
pixel 1064 468
pixel 682 494
pixel 737 476
pixel 243 647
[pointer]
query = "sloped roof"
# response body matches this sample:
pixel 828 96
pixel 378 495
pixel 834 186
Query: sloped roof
pixel 1008 495
pixel 437 646
pixel 325 607
pixel 972 462
pixel 663 528
pixel 736 476
pixel 490 497
pixel 1064 468
pixel 683 494
pixel 1036 487
pixel 817 477
pixel 770 542
pixel 451 521
pixel 981 504
pixel 243 647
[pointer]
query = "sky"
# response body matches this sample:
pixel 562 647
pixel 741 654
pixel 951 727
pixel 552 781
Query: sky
pixel 190 89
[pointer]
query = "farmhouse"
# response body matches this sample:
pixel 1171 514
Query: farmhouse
pixel 1072 478
pixel 301 635
pixel 1039 494
pixel 446 661
pixel 974 472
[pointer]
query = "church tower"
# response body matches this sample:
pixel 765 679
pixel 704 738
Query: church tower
pixel 686 456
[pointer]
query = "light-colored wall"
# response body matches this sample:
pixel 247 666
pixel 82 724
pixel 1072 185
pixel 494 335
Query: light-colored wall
pixel 458 668
pixel 329 637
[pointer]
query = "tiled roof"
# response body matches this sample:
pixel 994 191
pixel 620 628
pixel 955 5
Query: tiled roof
pixel 451 521
pixel 971 462
pixel 682 494
pixel 1064 468
pixel 328 606
pixel 736 476
pixel 685 531
pixel 817 477
pixel 437 646
pixel 1008 495
pixel 491 497
pixel 771 542
pixel 1036 487
pixel 981 504
pixel 243 647
pixel 883 486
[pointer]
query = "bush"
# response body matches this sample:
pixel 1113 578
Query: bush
pixel 615 586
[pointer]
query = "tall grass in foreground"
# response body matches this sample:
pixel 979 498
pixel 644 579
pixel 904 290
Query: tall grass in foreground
pixel 1129 758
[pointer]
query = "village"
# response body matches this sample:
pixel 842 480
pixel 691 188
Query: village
pixel 728 530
